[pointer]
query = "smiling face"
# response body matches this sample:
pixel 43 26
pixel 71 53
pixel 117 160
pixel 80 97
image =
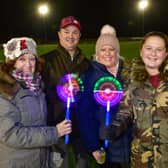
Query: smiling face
pixel 153 52
pixel 69 37
pixel 26 63
pixel 107 55
pixel 107 52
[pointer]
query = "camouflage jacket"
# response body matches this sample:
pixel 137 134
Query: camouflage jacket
pixel 149 108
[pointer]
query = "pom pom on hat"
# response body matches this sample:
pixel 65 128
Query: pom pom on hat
pixel 16 47
pixel 108 29
pixel 107 37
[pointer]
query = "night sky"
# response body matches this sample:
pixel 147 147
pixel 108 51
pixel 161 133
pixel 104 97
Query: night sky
pixel 20 17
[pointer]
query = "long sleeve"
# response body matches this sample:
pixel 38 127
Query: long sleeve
pixel 122 121
pixel 88 125
pixel 15 134
pixel 86 116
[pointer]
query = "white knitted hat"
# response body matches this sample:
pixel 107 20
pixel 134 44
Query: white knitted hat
pixel 16 47
pixel 107 39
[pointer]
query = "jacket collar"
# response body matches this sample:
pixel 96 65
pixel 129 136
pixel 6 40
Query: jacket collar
pixel 98 65
pixel 8 85
pixel 65 53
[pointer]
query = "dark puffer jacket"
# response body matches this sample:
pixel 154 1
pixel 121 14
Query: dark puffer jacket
pixel 91 116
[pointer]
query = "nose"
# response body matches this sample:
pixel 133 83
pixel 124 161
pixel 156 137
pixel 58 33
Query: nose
pixel 154 52
pixel 28 65
pixel 107 52
pixel 71 35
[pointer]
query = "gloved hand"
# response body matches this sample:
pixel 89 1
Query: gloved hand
pixel 107 132
pixel 115 129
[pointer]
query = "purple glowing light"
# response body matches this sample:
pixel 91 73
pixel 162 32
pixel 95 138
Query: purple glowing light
pixel 108 89
pixel 68 86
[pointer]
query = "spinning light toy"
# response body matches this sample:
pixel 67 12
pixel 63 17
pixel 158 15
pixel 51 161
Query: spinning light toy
pixel 67 89
pixel 108 92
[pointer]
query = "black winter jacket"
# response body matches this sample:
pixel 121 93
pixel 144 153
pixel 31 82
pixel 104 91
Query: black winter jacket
pixel 58 63
pixel 91 116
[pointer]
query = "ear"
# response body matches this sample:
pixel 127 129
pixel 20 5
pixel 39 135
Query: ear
pixel 96 58
pixel 166 53
pixel 59 34
pixel 140 53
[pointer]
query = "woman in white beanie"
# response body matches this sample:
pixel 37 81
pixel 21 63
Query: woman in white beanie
pixel 24 136
pixel 91 115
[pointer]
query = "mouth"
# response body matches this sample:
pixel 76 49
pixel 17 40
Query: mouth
pixel 70 40
pixel 152 59
pixel 28 70
pixel 107 59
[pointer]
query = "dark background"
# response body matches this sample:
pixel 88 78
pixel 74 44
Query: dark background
pixel 20 17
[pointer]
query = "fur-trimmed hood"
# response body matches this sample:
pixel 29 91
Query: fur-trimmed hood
pixel 8 85
pixel 135 71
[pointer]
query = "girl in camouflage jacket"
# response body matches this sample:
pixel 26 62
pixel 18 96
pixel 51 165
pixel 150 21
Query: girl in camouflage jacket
pixel 146 98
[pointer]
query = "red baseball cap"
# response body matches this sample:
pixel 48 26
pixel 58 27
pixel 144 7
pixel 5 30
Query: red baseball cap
pixel 70 20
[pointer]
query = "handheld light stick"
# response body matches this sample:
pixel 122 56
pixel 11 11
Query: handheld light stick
pixel 108 92
pixel 67 88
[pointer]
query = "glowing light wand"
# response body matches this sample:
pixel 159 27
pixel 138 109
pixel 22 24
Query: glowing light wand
pixel 70 99
pixel 107 120
pixel 108 92
pixel 67 88
pixel 67 117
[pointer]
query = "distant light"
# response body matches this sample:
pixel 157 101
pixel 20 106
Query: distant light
pixel 143 4
pixel 43 9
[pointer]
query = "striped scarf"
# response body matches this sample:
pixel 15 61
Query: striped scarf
pixel 30 81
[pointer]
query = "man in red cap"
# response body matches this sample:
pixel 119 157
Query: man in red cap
pixel 67 58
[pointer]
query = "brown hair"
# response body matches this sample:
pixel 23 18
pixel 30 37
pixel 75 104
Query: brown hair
pixel 158 34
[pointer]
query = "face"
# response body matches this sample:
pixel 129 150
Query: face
pixel 153 52
pixel 69 37
pixel 26 63
pixel 108 56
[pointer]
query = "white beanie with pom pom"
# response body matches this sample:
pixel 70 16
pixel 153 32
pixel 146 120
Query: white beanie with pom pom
pixel 108 29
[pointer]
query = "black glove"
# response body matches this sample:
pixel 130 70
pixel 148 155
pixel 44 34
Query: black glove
pixel 107 132
pixel 115 129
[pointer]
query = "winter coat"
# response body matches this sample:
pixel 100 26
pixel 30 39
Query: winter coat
pixel 149 107
pixel 58 63
pixel 24 137
pixel 91 116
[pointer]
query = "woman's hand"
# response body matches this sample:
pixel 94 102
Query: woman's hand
pixel 99 156
pixel 64 127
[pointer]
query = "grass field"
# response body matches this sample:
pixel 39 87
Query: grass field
pixel 129 49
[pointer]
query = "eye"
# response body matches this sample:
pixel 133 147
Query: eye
pixel 65 31
pixel 32 59
pixel 112 49
pixel 76 33
pixel 160 49
pixel 21 59
pixel 102 49
pixel 148 48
